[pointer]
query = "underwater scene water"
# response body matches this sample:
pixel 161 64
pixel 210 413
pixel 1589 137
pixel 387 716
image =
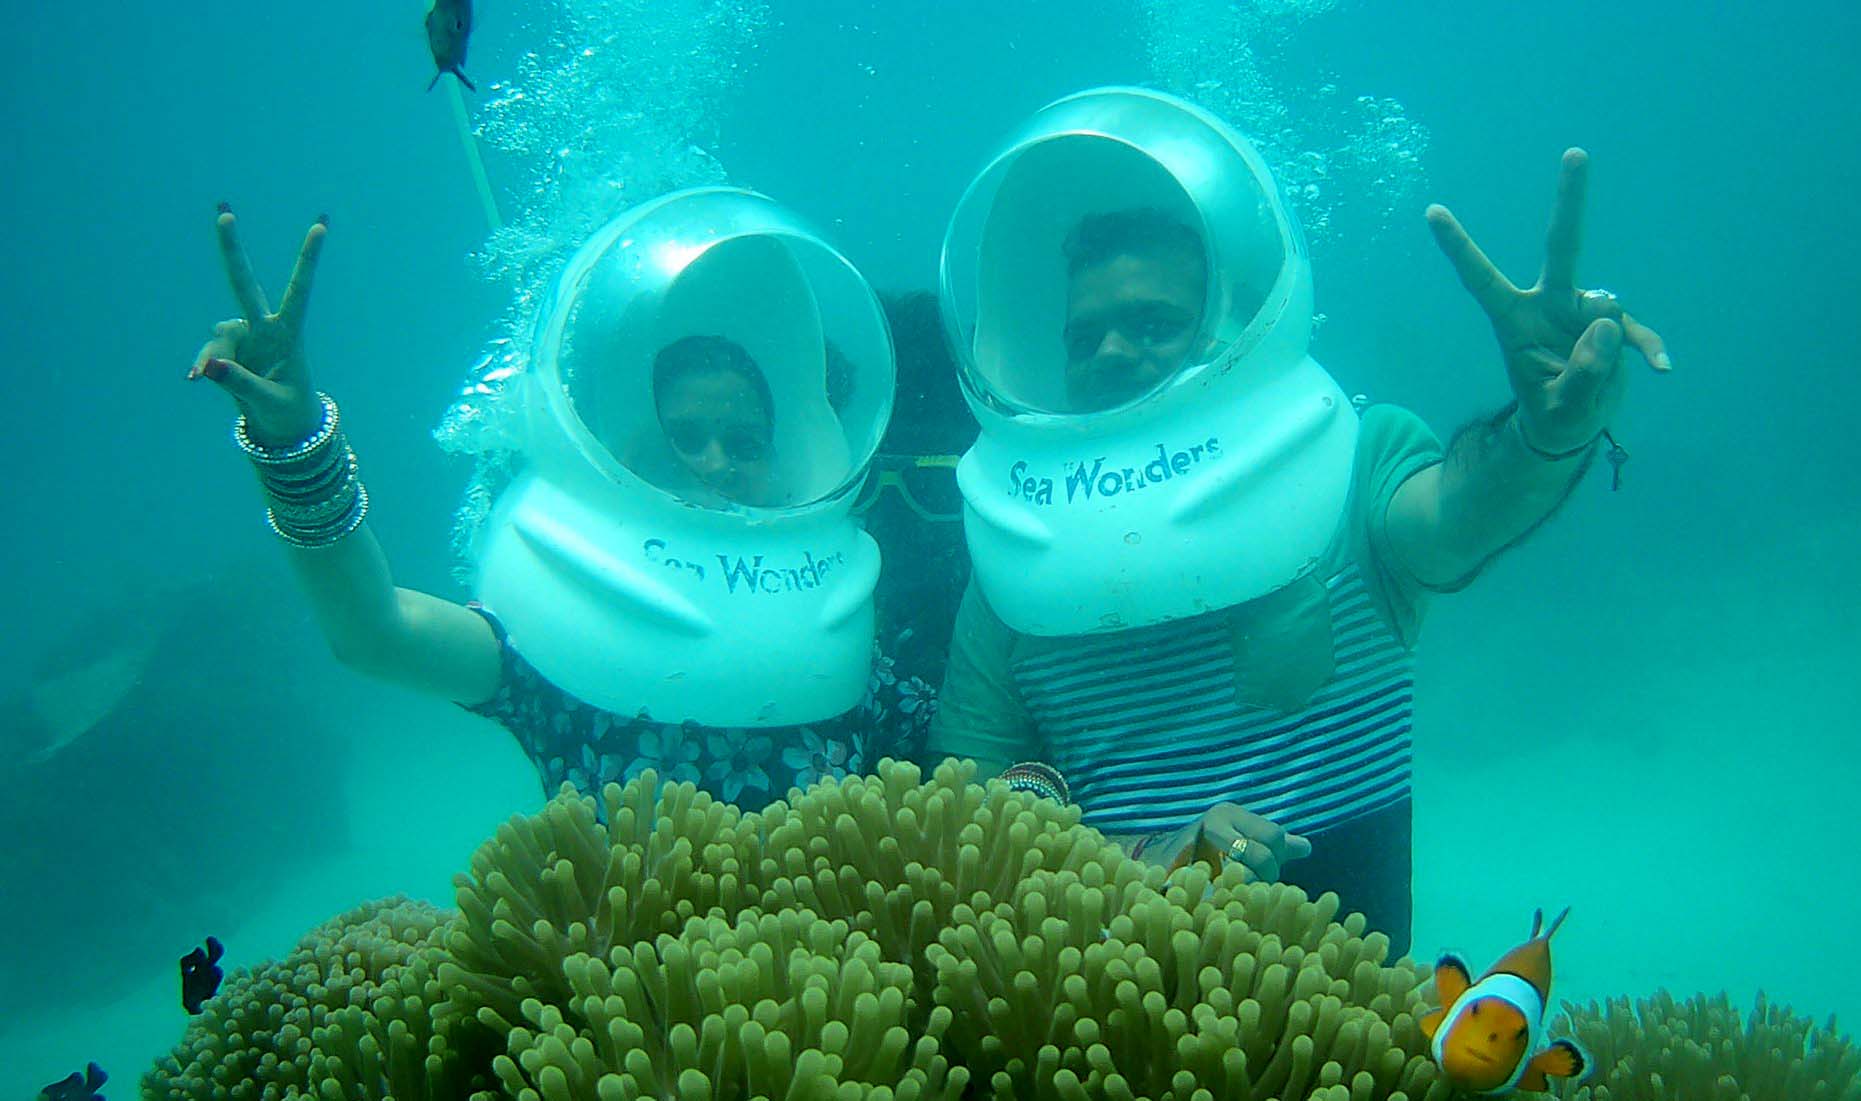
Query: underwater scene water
pixel 1646 711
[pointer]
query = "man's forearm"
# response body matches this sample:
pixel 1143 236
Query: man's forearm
pixel 1495 490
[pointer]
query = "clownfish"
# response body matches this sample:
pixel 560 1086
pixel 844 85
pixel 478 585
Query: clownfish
pixel 1488 1036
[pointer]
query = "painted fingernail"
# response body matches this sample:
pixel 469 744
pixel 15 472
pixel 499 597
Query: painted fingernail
pixel 214 369
pixel 323 220
pixel 225 207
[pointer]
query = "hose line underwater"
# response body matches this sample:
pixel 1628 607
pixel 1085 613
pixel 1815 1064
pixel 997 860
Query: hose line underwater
pixel 472 160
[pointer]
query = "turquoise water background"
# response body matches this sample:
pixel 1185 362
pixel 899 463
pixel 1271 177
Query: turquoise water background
pixel 1648 712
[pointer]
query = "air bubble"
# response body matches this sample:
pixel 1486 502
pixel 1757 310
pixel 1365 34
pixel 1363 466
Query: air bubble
pixel 584 130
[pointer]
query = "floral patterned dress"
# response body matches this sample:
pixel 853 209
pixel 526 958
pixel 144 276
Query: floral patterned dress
pixel 568 740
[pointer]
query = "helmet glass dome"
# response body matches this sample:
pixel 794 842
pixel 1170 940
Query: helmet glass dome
pixel 710 347
pixel 1124 240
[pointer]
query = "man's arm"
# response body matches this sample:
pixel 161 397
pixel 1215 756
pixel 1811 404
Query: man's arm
pixel 1563 354
pixel 1488 493
pixel 979 713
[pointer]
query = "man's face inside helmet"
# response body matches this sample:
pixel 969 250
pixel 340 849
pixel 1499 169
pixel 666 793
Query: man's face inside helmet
pixel 717 413
pixel 1136 284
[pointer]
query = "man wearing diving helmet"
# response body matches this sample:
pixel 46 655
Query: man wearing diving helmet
pixel 1198 569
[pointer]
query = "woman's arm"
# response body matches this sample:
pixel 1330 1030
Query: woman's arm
pixel 317 503
pixel 414 639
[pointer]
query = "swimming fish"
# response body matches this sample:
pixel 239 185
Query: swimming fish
pixel 77 1087
pixel 201 975
pixel 448 31
pixel 1488 1036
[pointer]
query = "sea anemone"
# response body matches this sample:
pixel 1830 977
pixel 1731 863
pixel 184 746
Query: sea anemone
pixel 355 1008
pixel 887 937
pixel 1659 1049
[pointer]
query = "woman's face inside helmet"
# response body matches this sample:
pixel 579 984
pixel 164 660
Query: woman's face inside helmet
pixel 716 410
pixel 1136 285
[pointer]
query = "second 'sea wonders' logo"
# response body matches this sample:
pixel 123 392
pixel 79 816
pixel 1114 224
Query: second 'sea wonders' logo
pixel 1085 479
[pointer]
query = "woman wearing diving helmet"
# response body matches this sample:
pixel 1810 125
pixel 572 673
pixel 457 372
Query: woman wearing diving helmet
pixel 674 579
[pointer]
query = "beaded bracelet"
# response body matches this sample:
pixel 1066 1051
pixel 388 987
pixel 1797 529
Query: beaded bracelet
pixel 315 496
pixel 1038 777
pixel 294 453
pixel 311 538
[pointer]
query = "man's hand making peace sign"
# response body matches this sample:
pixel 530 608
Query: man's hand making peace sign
pixel 1563 348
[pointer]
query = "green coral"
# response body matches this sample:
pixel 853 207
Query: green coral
pixel 1081 986
pixel 562 883
pixel 1658 1049
pixel 895 856
pixel 983 935
pixel 774 1005
pixel 353 1012
pixel 894 938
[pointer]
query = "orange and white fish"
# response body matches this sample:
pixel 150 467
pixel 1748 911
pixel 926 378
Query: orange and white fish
pixel 1488 1036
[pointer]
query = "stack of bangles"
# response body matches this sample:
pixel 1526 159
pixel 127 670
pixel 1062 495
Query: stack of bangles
pixel 314 497
pixel 1044 780
pixel 1038 777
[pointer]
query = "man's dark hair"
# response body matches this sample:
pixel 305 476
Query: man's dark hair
pixel 693 354
pixel 1139 231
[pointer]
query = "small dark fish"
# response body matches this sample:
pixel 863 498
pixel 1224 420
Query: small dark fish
pixel 77 1087
pixel 200 977
pixel 448 31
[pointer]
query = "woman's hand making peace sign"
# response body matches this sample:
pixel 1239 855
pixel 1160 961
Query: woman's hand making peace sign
pixel 258 358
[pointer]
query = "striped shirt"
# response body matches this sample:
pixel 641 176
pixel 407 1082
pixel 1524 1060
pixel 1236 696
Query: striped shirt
pixel 1154 725
pixel 1148 729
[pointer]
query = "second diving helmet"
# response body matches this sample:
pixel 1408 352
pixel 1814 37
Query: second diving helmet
pixel 706 387
pixel 1131 303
